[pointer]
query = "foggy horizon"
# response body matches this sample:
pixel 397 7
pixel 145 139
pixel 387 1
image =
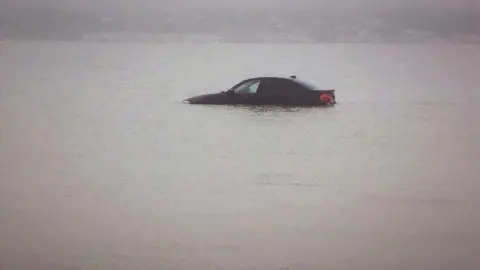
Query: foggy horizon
pixel 304 20
pixel 93 5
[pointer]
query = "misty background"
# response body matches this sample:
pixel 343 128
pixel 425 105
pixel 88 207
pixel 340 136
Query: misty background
pixel 242 21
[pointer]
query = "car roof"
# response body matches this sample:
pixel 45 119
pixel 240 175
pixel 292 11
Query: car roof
pixel 293 79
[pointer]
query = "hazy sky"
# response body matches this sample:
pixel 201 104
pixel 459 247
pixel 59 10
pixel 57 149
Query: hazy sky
pixel 175 4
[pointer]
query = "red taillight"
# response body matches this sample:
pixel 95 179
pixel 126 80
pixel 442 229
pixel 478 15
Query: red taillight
pixel 325 97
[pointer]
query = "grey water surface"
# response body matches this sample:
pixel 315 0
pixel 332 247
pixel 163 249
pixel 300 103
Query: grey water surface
pixel 103 167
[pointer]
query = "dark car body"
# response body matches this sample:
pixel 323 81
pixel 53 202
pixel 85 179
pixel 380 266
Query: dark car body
pixel 268 91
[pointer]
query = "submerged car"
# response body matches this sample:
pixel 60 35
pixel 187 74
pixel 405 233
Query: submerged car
pixel 269 91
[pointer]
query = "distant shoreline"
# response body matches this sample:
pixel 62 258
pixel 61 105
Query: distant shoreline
pixel 273 42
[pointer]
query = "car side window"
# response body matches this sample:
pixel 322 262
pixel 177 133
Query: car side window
pixel 249 87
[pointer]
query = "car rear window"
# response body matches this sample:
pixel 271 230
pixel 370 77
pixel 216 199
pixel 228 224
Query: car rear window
pixel 309 85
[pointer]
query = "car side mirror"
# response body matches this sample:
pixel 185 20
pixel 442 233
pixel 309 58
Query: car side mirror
pixel 230 93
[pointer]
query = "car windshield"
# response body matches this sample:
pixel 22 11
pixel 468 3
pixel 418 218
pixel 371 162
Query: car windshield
pixel 249 87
